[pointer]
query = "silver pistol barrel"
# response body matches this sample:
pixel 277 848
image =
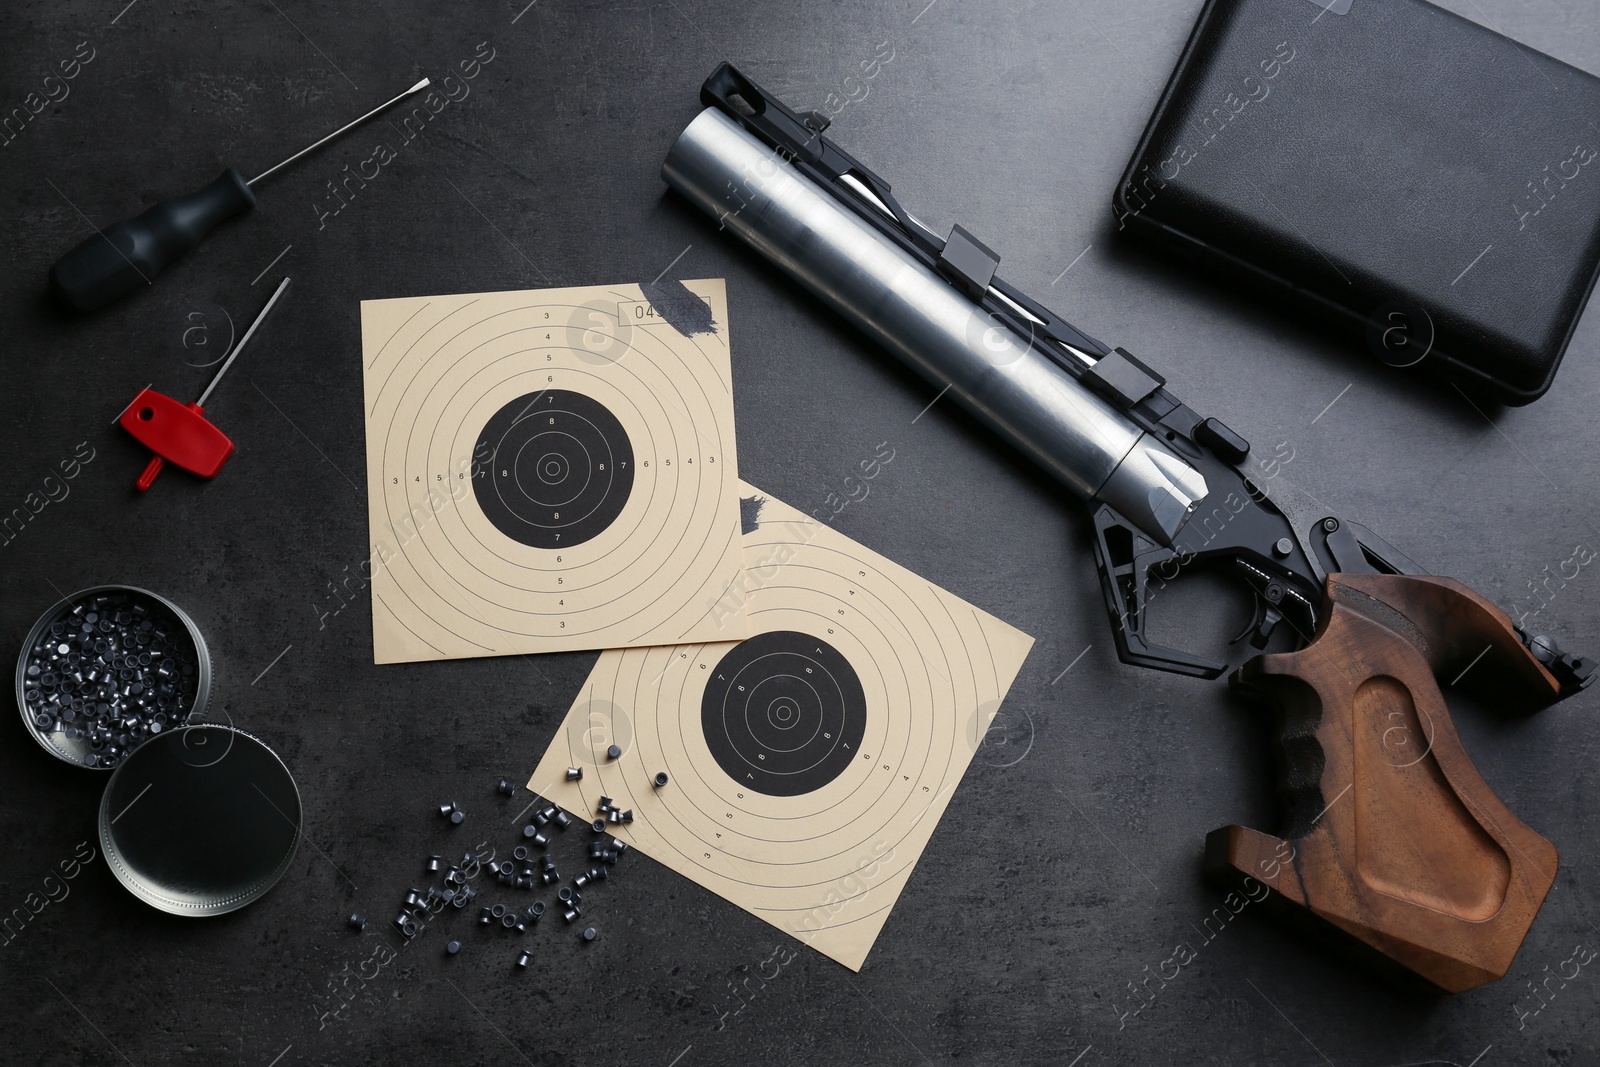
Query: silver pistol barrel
pixel 1026 397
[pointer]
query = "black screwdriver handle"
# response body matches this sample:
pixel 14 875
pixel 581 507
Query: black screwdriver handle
pixel 121 258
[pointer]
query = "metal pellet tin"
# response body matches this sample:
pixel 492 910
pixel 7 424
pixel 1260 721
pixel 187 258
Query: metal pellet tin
pixel 67 729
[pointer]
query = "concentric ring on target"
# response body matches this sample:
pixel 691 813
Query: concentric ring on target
pixel 560 469
pixel 783 713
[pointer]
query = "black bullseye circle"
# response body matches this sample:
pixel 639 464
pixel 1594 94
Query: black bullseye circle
pixel 783 713
pixel 558 471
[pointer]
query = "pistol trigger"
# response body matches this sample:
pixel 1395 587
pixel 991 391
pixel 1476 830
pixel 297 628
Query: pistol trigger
pixel 1270 618
pixel 1259 630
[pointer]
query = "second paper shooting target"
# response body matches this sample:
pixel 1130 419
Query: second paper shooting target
pixel 808 763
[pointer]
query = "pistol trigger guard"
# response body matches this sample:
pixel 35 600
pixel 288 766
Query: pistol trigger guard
pixel 1125 557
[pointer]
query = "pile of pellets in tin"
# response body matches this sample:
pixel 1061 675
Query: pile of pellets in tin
pixel 113 671
pixel 531 867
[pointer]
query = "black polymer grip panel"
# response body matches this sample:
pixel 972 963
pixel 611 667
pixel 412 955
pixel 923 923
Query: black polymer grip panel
pixel 1393 159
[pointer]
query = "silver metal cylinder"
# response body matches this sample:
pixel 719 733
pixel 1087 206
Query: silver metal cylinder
pixel 1030 401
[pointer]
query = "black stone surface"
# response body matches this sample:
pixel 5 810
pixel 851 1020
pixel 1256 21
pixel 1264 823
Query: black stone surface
pixel 1067 865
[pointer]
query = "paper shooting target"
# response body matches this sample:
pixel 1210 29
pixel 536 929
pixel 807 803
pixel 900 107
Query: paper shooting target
pixel 550 470
pixel 807 764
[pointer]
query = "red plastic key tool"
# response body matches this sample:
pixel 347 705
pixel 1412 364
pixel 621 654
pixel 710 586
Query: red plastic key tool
pixel 179 433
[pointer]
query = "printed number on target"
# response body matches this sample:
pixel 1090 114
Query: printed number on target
pixel 645 313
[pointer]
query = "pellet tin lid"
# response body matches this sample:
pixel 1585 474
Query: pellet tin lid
pixel 200 820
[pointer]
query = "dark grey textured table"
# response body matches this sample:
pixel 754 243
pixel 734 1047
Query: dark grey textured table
pixel 1067 866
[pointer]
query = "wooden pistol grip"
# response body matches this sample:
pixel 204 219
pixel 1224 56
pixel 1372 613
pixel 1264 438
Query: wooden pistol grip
pixel 1393 836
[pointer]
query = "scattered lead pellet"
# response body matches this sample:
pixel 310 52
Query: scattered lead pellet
pixel 590 933
pixel 661 779
pixel 453 947
pixel 357 922
pixel 574 774
pixel 614 752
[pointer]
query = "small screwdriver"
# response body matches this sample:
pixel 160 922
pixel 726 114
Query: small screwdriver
pixel 180 433
pixel 122 257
